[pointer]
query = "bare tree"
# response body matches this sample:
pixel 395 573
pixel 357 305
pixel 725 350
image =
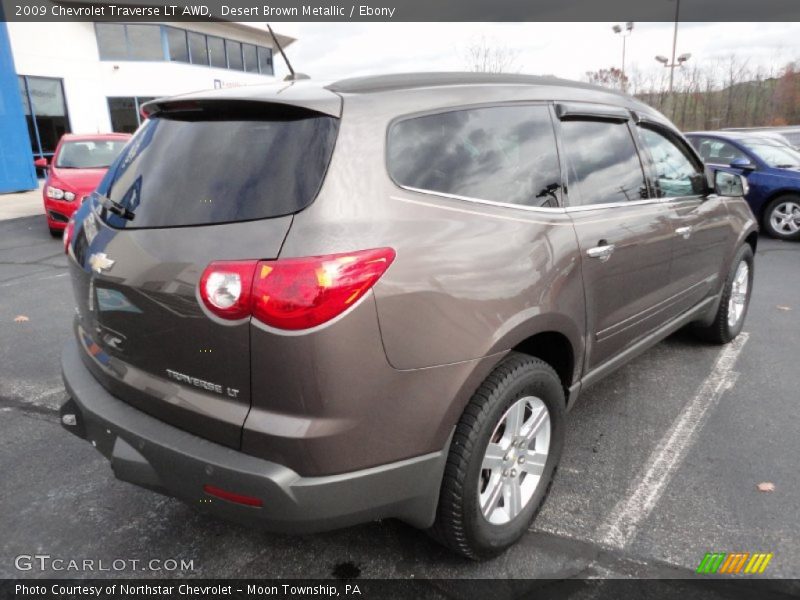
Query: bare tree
pixel 611 78
pixel 483 56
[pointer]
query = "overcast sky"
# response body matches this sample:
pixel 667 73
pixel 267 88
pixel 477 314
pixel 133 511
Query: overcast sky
pixel 334 50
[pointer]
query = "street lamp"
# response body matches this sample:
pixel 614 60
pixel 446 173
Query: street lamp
pixel 624 33
pixel 680 60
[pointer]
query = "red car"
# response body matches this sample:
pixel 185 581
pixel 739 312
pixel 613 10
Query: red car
pixel 78 165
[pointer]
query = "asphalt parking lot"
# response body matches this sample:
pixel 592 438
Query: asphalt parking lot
pixel 661 465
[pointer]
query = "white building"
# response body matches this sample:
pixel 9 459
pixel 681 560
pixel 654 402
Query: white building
pixel 92 77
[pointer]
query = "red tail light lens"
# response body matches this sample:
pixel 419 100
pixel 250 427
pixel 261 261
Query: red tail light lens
pixel 69 230
pixel 225 288
pixel 293 293
pixel 298 293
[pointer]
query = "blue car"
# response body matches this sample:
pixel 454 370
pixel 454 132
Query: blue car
pixel 772 170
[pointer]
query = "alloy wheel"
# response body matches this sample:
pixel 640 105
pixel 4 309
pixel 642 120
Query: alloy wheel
pixel 785 217
pixel 514 460
pixel 738 297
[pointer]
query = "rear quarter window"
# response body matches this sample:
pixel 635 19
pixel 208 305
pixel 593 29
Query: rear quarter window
pixel 501 154
pixel 221 167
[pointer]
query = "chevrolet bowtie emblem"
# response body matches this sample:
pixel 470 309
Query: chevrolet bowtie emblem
pixel 100 262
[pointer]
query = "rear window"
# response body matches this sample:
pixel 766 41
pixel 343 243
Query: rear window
pixel 201 167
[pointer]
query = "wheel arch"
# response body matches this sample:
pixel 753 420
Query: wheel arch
pixel 772 195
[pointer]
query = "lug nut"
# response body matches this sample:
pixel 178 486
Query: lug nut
pixel 505 473
pixel 513 472
pixel 507 456
pixel 521 460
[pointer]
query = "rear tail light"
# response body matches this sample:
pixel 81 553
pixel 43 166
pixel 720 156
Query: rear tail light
pixel 69 230
pixel 225 288
pixel 292 293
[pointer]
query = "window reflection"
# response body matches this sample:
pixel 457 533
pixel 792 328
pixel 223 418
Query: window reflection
pixel 502 154
pixel 603 163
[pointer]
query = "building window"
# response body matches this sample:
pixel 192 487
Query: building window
pixel 129 42
pixel 198 48
pixel 176 43
pixel 126 113
pixel 45 112
pixel 161 42
pixel 216 52
pixel 233 50
pixel 111 41
pixel 144 42
pixel 265 60
pixel 250 58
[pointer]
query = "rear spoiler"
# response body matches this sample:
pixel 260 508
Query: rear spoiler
pixel 300 95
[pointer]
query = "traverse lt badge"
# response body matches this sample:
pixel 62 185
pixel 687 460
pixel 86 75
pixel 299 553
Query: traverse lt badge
pixel 100 262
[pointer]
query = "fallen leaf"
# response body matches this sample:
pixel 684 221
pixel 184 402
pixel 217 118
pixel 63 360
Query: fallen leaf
pixel 766 486
pixel 21 319
pixel 782 307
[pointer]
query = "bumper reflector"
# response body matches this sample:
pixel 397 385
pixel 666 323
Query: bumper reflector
pixel 232 496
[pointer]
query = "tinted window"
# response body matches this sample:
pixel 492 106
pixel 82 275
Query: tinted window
pixel 144 42
pixel 250 58
pixel 502 154
pixel 716 151
pixel 674 173
pixel 195 172
pixel 233 51
pixel 111 41
pixel 176 40
pixel 197 46
pixel 603 163
pixel 265 60
pixel 216 52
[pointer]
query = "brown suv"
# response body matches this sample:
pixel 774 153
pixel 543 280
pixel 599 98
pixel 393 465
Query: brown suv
pixel 316 305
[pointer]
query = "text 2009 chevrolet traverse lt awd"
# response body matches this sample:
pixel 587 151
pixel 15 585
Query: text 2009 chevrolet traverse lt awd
pixel 318 305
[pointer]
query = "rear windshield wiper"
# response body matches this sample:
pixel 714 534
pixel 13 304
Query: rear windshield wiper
pixel 117 208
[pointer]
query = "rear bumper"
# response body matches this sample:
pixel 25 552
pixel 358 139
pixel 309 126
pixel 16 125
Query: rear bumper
pixel 152 454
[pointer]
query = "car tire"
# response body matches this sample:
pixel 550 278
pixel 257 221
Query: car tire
pixel 775 214
pixel 56 233
pixel 728 321
pixel 461 521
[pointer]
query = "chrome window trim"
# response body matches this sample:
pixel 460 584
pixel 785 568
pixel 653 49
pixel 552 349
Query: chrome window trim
pixel 548 209
pixel 560 209
pixel 642 202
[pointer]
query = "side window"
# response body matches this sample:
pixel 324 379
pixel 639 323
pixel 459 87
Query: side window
pixel 503 154
pixel 603 163
pixel 716 151
pixel 674 173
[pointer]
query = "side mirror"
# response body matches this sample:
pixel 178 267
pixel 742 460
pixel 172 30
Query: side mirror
pixel 743 164
pixel 730 184
pixel 41 163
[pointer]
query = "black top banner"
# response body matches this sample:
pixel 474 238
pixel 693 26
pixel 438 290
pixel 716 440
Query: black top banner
pixel 403 10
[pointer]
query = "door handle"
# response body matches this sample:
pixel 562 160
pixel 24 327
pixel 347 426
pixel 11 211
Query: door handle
pixel 603 252
pixel 685 232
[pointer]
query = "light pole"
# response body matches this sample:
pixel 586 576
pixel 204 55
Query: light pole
pixel 674 63
pixel 624 33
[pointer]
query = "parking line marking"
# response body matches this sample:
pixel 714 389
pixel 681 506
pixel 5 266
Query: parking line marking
pixel 621 525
